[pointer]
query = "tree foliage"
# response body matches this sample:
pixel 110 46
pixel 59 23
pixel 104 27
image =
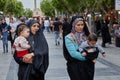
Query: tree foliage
pixel 76 6
pixel 11 7
pixel 3 4
pixel 47 8
pixel 105 5
pixel 19 9
pixel 28 13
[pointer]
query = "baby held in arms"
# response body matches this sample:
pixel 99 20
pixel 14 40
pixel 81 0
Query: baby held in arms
pixel 90 49
pixel 21 44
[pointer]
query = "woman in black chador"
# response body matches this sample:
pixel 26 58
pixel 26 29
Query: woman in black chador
pixel 106 38
pixel 33 66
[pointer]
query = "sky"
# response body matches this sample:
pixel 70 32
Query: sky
pixel 30 3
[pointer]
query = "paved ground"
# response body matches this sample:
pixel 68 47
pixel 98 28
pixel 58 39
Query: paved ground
pixel 106 68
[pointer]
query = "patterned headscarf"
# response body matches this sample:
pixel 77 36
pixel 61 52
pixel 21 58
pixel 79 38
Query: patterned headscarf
pixel 79 37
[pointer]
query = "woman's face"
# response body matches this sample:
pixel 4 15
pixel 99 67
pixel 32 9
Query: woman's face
pixel 34 28
pixel 79 26
pixel 3 21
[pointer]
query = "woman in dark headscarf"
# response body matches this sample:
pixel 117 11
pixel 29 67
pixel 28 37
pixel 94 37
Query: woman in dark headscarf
pixel 76 65
pixel 33 66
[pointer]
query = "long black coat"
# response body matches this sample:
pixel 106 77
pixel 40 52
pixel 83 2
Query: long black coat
pixel 105 32
pixel 35 71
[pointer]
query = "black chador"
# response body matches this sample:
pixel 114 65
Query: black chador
pixel 37 69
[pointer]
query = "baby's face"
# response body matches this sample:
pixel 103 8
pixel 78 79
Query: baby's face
pixel 26 33
pixel 92 43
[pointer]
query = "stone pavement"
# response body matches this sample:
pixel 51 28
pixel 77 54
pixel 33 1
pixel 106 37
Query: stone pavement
pixel 105 69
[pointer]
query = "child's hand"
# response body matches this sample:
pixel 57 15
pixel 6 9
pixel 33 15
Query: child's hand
pixel 28 46
pixel 84 54
pixel 104 55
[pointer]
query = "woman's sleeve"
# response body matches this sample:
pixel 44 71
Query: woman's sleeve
pixel 72 50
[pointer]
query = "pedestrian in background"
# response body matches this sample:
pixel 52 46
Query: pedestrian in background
pixel 13 25
pixel 57 27
pixel 117 34
pixel 5 32
pixel 66 28
pixel 41 22
pixel 47 24
pixel 106 38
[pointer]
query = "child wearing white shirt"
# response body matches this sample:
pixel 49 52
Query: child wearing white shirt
pixel 21 45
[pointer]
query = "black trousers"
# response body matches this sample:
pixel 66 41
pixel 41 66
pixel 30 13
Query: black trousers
pixel 117 42
pixel 83 70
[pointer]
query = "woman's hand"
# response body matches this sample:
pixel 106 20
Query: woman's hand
pixel 28 58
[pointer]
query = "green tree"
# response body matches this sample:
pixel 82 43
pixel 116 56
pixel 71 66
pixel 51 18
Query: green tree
pixel 3 4
pixel 78 6
pixel 47 8
pixel 19 9
pixel 105 5
pixel 28 13
pixel 12 7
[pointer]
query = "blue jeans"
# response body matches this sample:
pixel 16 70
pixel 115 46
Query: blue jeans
pixel 47 29
pixel 57 37
pixel 5 44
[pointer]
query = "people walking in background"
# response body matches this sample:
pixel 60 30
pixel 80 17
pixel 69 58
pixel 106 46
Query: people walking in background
pixel 66 28
pixel 13 25
pixel 47 24
pixel 5 32
pixel 76 65
pixel 41 22
pixel 117 34
pixel 98 26
pixel 106 38
pixel 51 25
pixel 21 44
pixel 57 26
pixel 33 65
